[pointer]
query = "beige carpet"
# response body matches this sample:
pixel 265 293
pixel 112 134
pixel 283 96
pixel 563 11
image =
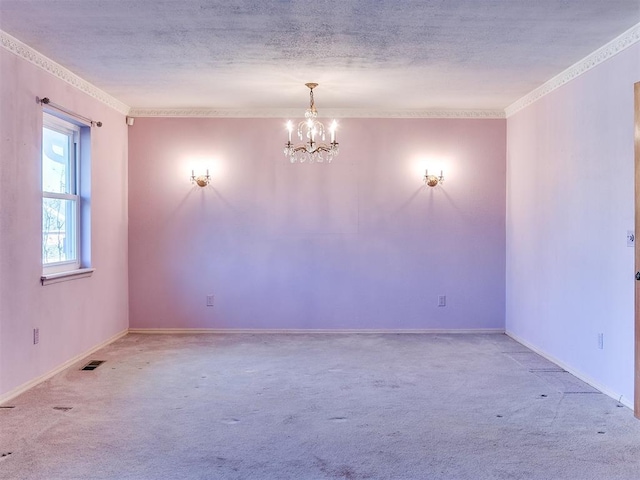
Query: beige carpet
pixel 313 406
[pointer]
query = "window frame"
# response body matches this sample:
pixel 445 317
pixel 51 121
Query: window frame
pixel 72 130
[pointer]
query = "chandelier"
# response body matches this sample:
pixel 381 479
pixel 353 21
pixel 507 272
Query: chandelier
pixel 312 133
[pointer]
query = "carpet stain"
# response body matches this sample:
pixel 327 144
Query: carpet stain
pixel 230 421
pixel 338 419
pixel 343 471
pixel 384 384
pixel 289 419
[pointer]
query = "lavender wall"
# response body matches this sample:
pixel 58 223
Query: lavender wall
pixel 570 202
pixel 361 243
pixel 72 316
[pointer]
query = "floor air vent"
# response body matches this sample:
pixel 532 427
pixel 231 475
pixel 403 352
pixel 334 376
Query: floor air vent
pixel 92 365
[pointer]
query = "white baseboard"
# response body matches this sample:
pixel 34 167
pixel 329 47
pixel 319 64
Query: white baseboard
pixel 585 378
pixel 11 394
pixel 157 331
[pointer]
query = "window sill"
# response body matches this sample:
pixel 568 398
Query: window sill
pixel 58 277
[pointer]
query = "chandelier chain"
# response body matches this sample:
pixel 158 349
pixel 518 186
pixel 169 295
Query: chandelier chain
pixel 312 104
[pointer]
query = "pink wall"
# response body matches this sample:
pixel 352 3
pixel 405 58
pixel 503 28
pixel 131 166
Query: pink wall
pixel 72 316
pixel 570 202
pixel 357 244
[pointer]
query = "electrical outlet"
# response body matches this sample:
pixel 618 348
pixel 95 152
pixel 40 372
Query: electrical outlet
pixel 442 300
pixel 36 336
pixel 209 300
pixel 600 341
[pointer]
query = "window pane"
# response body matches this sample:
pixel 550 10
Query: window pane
pixel 56 161
pixel 58 230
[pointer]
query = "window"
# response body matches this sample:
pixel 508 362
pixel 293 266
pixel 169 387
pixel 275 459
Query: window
pixel 62 203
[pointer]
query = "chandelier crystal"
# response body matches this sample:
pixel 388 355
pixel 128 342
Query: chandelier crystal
pixel 312 133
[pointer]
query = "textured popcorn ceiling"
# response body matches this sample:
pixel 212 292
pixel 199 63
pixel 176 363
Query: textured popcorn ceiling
pixel 377 55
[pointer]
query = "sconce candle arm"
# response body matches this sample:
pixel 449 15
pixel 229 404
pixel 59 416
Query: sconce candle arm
pixel 200 180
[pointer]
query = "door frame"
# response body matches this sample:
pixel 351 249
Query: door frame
pixel 636 395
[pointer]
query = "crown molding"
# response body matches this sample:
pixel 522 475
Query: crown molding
pixel 615 46
pixel 326 113
pixel 22 50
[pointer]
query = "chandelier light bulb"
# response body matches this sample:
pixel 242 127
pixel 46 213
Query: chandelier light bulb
pixel 290 129
pixel 334 126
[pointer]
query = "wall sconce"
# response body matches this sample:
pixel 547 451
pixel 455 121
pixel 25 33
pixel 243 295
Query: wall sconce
pixel 432 180
pixel 201 180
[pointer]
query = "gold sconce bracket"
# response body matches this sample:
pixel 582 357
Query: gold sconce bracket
pixel 200 180
pixel 433 180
